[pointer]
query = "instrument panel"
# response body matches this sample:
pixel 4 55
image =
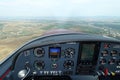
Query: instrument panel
pixel 71 58
pixel 109 59
pixel 64 56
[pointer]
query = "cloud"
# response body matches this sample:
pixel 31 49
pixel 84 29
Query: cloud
pixel 59 7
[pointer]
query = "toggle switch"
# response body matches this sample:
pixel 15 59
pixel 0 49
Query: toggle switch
pixel 106 71
pixel 112 73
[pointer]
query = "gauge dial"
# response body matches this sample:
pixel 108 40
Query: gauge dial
pixel 39 65
pixel 114 53
pixel 103 61
pixel 69 53
pixel 112 61
pixel 105 53
pixel 68 64
pixel 39 52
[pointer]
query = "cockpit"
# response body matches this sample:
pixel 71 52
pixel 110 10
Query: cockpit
pixel 64 56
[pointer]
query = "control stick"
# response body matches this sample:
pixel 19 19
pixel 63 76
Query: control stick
pixel 23 73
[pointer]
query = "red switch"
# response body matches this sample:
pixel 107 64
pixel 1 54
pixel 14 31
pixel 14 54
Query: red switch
pixel 106 71
pixel 106 45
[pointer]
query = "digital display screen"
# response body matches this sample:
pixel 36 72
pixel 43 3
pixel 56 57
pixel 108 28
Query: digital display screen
pixel 54 52
pixel 87 51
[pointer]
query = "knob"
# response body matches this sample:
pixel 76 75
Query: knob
pixel 39 65
pixel 68 64
pixel 22 73
pixel 54 65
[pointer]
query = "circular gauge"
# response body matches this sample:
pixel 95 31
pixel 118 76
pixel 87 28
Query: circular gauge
pixel 112 61
pixel 105 53
pixel 113 53
pixel 39 65
pixel 68 64
pixel 39 52
pixel 69 52
pixel 103 61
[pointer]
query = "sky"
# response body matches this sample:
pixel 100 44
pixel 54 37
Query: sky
pixel 57 8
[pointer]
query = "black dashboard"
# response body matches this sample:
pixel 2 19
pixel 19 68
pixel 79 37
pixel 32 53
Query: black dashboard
pixel 70 55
